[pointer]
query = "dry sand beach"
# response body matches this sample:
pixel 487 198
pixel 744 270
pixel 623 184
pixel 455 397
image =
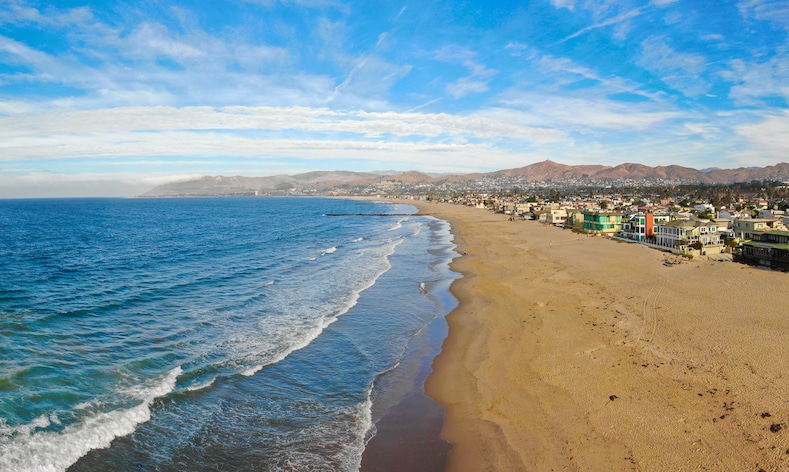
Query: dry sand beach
pixel 580 353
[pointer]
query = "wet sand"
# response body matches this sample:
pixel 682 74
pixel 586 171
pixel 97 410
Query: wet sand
pixel 581 353
pixel 408 438
pixel 408 423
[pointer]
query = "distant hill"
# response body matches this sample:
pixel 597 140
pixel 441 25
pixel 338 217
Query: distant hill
pixel 549 170
pixel 320 181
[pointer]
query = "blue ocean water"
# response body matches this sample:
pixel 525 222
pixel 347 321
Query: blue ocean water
pixel 208 334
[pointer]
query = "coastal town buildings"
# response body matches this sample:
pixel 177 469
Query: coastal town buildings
pixel 766 249
pixel 688 224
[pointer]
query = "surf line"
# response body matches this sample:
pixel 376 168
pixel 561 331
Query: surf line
pixel 368 214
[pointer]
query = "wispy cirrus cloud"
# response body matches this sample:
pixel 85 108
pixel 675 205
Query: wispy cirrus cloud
pixel 476 82
pixel 564 72
pixel 568 4
pixel 618 19
pixel 753 82
pixel 682 71
pixel 775 11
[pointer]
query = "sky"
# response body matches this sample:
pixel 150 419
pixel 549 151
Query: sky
pixel 111 98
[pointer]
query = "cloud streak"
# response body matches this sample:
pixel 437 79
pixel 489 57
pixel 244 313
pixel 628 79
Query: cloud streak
pixel 616 20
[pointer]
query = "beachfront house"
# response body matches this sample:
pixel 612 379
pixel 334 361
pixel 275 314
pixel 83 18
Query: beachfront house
pixel 745 228
pixel 600 222
pixel 766 249
pixel 641 226
pixel 682 235
pixel 575 219
pixel 552 216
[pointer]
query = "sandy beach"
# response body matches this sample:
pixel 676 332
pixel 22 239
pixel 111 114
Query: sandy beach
pixel 570 352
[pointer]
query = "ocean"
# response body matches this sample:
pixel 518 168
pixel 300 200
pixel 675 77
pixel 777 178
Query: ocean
pixel 214 333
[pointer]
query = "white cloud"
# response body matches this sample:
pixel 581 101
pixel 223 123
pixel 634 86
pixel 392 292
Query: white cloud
pixel 238 152
pixel 15 108
pixel 563 71
pixel 769 139
pixel 381 39
pixel 754 81
pixel 616 20
pixel 776 11
pixel 244 131
pixel 46 67
pixel 476 82
pixel 682 71
pixel 152 40
pixel 466 86
pixel 518 49
pixel 658 55
pixel 568 4
pixel 16 12
pixel 704 130
pixel 303 3
pixel 582 114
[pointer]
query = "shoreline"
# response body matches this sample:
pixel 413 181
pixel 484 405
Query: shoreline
pixel 408 434
pixel 407 422
pixel 581 353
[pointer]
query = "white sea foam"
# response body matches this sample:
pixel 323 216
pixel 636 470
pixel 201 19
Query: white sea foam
pixel 252 371
pixel 294 331
pixel 398 224
pixel 364 419
pixel 201 386
pixel 28 448
pixel 336 444
pixel 358 240
pixel 331 250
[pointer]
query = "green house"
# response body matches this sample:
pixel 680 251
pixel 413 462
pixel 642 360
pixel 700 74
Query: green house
pixel 766 249
pixel 599 222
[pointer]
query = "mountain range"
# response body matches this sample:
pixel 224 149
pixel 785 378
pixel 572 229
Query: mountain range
pixel 321 181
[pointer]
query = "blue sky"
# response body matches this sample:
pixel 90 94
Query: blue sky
pixel 112 98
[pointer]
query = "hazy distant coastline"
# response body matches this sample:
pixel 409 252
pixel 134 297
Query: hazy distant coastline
pixel 541 173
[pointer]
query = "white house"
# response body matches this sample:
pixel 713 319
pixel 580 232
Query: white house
pixel 681 234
